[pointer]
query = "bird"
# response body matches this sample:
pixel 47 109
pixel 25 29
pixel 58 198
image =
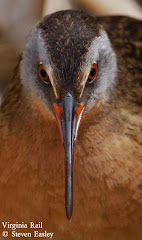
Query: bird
pixel 71 129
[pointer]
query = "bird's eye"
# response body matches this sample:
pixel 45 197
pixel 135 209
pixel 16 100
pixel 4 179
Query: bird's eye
pixel 93 73
pixel 43 74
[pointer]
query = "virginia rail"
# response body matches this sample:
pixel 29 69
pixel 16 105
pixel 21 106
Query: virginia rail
pixel 75 68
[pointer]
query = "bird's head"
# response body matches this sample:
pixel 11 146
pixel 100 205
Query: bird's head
pixel 69 63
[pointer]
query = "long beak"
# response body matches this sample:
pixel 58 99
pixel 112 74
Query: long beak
pixel 68 119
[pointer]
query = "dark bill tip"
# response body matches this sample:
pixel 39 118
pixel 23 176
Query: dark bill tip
pixel 69 208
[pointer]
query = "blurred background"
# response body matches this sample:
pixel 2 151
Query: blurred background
pixel 17 18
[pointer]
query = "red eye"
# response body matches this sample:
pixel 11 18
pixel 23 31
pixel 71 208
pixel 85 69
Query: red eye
pixel 42 73
pixel 93 73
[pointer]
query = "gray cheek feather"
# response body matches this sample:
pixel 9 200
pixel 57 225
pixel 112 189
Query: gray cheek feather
pixel 29 62
pixel 101 52
pixel 32 56
pixel 34 53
